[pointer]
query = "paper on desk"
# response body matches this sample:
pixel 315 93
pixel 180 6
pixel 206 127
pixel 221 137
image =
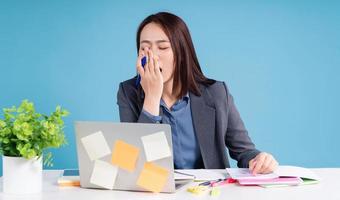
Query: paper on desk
pixel 283 171
pixel 200 174
pixel 245 173
pixel 297 172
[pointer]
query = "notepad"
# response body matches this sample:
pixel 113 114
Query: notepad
pixel 153 177
pixel 283 175
pixel 297 172
pixel 96 145
pixel 274 181
pixel 304 182
pixel 156 146
pixel 245 173
pixel 104 174
pixel 125 155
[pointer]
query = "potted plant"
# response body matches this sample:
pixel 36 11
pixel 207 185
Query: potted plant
pixel 24 137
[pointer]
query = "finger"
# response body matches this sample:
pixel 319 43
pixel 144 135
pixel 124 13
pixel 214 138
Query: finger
pixel 274 165
pixel 270 168
pixel 140 52
pixel 266 164
pixel 146 66
pixel 140 71
pixel 139 64
pixel 157 68
pixel 143 53
pixel 151 63
pixel 139 59
pixel 259 163
pixel 252 164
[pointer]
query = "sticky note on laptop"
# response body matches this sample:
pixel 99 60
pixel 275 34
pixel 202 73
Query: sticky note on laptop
pixel 124 155
pixel 153 177
pixel 156 146
pixel 96 145
pixel 104 174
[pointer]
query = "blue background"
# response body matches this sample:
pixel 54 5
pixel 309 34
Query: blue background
pixel 280 60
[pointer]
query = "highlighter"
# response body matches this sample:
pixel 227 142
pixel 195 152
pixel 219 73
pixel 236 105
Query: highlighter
pixel 138 76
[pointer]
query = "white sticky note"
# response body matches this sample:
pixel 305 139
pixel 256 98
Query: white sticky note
pixel 96 145
pixel 104 174
pixel 156 146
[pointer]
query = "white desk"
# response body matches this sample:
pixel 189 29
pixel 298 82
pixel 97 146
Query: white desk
pixel 328 189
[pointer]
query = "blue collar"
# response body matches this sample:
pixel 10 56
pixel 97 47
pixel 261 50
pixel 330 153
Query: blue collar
pixel 185 99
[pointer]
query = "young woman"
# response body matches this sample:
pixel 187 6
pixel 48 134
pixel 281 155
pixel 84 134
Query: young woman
pixel 173 90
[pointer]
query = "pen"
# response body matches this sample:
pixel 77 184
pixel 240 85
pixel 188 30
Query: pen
pixel 184 174
pixel 209 183
pixel 206 183
pixel 223 182
pixel 138 76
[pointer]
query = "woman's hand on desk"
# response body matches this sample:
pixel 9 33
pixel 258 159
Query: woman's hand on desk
pixel 151 81
pixel 263 163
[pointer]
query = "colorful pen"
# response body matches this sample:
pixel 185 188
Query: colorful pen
pixel 218 182
pixel 209 183
pixel 223 182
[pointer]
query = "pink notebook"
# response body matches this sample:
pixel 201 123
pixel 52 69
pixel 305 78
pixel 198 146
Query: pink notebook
pixel 274 181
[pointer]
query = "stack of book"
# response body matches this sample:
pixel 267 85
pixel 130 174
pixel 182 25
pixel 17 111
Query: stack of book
pixel 70 177
pixel 282 176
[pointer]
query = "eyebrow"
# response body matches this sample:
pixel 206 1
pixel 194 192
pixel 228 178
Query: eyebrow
pixel 157 41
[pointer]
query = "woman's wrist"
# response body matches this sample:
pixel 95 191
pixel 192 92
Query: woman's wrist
pixel 151 105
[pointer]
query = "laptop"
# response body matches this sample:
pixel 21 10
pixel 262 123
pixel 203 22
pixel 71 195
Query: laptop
pixel 96 142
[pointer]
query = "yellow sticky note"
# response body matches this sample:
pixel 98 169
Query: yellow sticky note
pixel 197 190
pixel 153 177
pixel 125 155
pixel 215 192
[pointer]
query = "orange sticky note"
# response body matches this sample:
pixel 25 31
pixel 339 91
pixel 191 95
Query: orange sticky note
pixel 153 177
pixel 125 155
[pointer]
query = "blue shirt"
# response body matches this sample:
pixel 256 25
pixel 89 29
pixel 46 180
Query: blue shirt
pixel 187 154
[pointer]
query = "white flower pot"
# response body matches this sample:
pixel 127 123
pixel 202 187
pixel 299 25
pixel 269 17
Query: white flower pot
pixel 21 176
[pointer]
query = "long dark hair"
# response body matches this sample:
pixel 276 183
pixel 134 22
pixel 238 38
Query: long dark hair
pixel 187 73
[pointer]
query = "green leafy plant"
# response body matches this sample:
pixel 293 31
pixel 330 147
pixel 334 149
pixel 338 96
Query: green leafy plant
pixel 26 133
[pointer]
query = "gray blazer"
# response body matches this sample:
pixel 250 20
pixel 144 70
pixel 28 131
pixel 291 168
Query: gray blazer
pixel 216 121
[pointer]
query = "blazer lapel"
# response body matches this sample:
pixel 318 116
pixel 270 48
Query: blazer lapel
pixel 203 116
